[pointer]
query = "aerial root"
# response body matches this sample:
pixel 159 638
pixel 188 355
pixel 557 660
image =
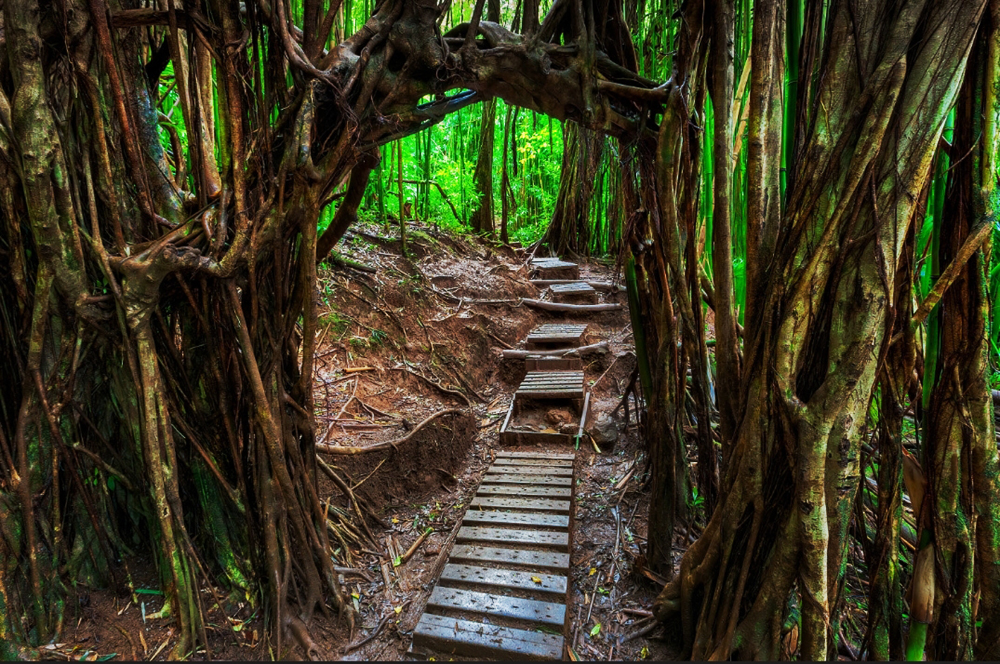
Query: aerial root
pixel 301 634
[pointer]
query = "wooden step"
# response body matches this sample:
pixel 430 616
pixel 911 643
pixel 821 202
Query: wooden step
pixel 554 269
pixel 527 504
pixel 491 554
pixel 466 638
pixel 513 537
pixel 547 613
pixel 577 292
pixel 542 363
pixel 551 385
pixel 556 335
pixel 539 491
pixel 554 463
pixel 560 521
pixel 508 454
pixel 540 480
pixel 529 582
pixel 497 469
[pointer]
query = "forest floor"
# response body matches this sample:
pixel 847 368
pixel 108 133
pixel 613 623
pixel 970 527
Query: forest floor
pixel 419 335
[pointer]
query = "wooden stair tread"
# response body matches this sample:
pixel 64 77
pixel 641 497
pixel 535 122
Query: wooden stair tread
pixel 559 541
pixel 472 639
pixel 541 480
pixel 547 613
pixel 505 454
pixel 573 287
pixel 491 554
pixel 536 491
pixel 516 519
pixel 546 584
pixel 532 470
pixel 552 463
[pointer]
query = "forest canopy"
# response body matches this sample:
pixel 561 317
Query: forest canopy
pixel 801 198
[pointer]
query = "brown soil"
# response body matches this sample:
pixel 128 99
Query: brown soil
pixel 445 314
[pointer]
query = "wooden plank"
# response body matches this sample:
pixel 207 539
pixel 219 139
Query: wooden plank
pixel 557 271
pixel 572 287
pixel 554 374
pixel 548 584
pixel 531 470
pixel 583 418
pixel 571 333
pixel 552 363
pixel 552 333
pixel 532 559
pixel 516 519
pixel 512 536
pixel 508 454
pixel 515 437
pixel 510 413
pixel 552 263
pixel 526 491
pixel 558 463
pixel 544 394
pixel 547 613
pixel 541 378
pixel 540 480
pixel 471 639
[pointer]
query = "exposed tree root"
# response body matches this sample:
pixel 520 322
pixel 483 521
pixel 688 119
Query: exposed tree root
pixel 391 444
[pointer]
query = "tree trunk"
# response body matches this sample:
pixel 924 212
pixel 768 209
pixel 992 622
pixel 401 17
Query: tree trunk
pixel 569 230
pixel 481 219
pixel 814 342
pixel 960 453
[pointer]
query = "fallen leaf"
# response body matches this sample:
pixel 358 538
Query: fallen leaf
pixel 593 571
pixel 644 653
pixel 398 609
pixel 395 520
pixel 536 579
pixel 596 630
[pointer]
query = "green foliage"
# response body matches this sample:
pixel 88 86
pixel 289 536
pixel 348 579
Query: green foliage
pixel 446 154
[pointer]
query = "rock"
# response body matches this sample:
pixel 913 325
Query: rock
pixel 604 431
pixel 558 416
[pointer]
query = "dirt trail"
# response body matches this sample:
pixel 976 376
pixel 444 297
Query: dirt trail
pixel 418 336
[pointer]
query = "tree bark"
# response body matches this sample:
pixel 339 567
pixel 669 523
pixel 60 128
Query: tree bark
pixel 823 304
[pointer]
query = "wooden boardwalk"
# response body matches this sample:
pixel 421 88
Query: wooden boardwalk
pixel 505 588
pixel 504 591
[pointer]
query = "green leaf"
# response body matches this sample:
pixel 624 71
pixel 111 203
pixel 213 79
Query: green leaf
pixel 106 658
pixel 398 561
pixel 148 591
pixel 596 630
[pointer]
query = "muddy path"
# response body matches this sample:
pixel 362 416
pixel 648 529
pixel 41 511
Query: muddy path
pixel 416 338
